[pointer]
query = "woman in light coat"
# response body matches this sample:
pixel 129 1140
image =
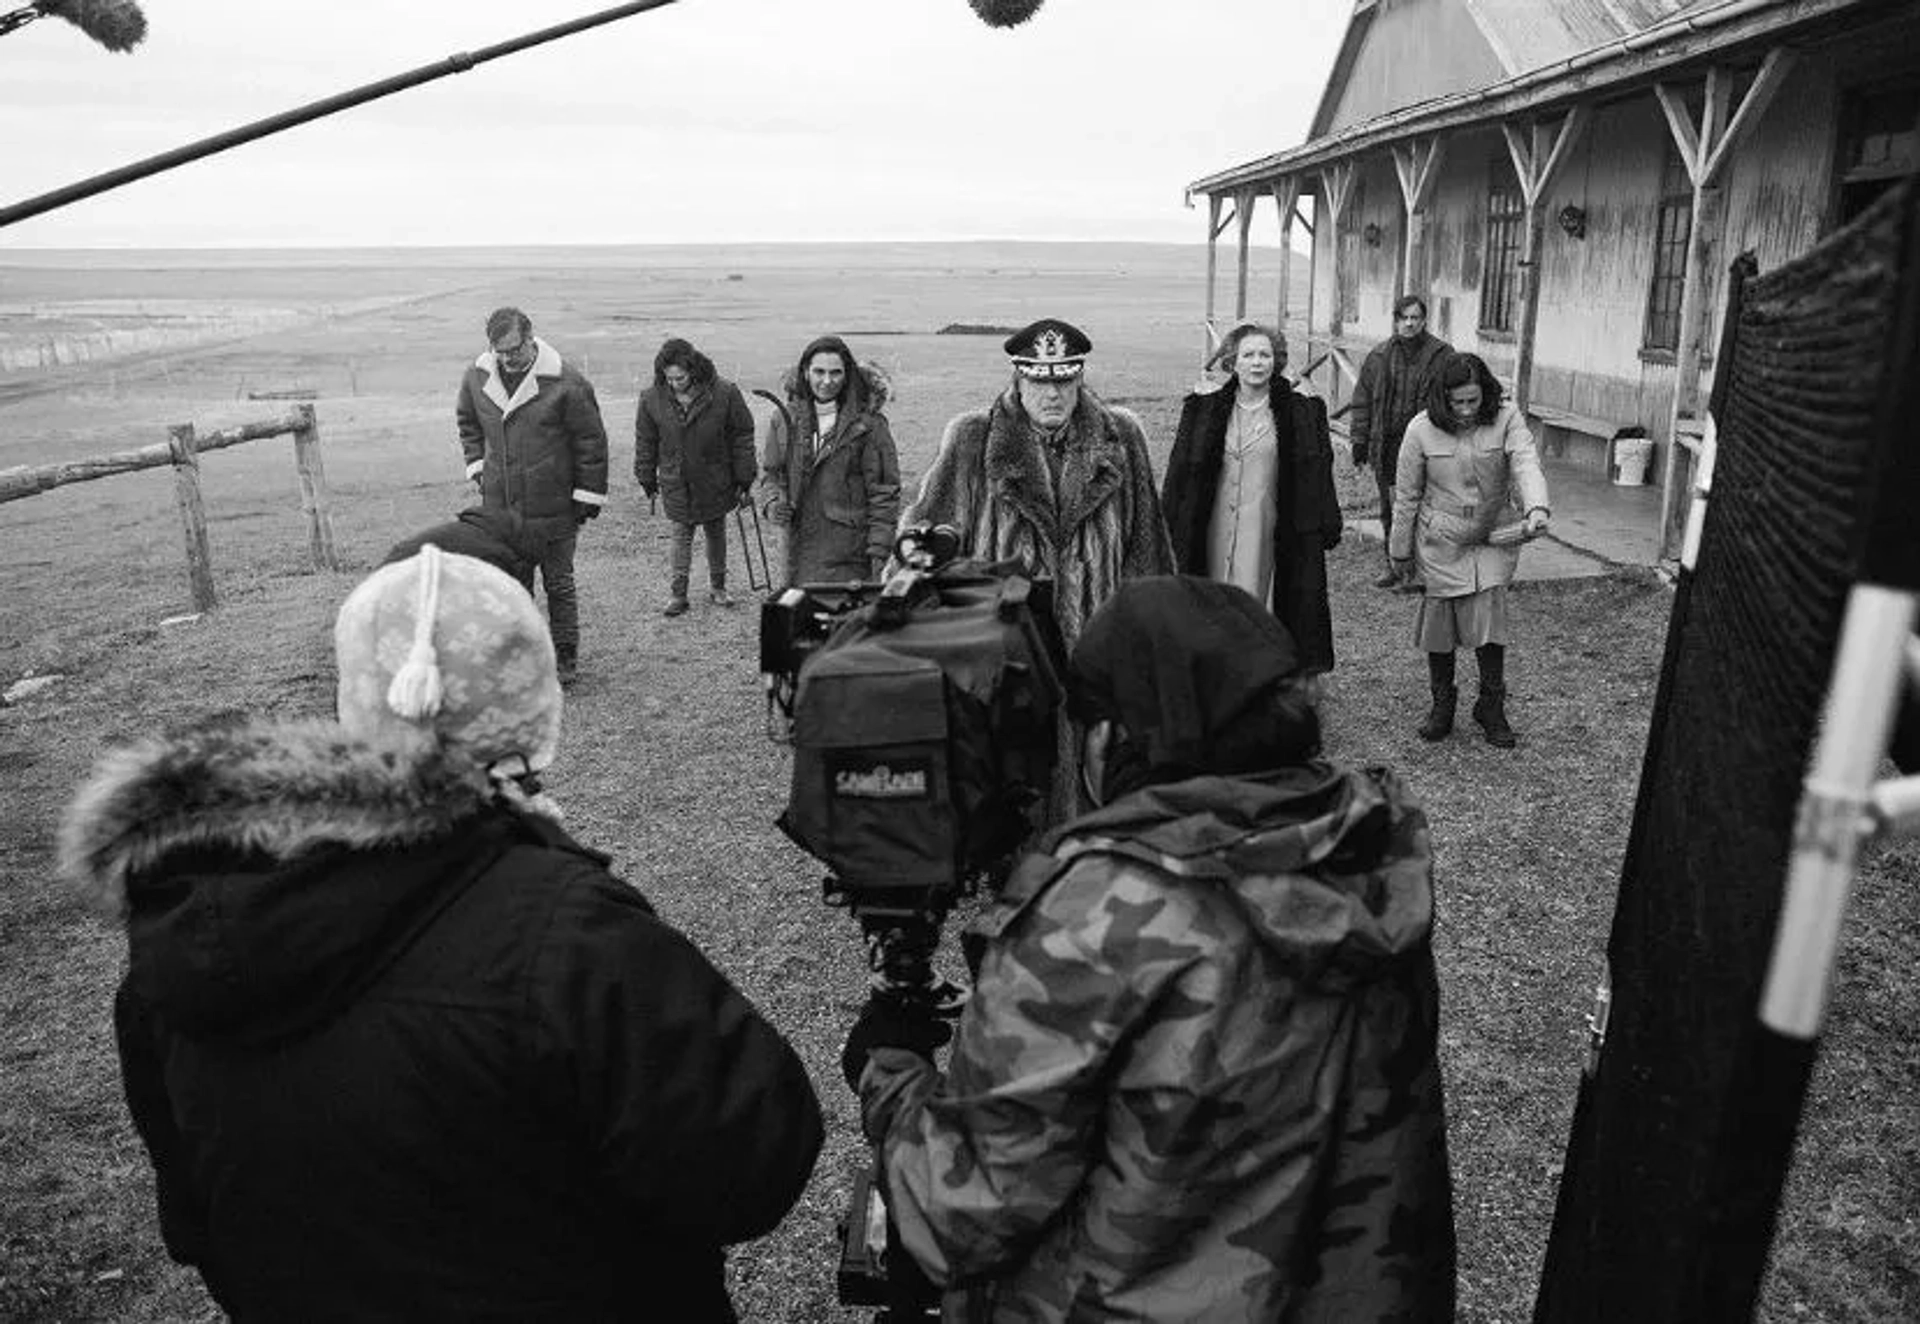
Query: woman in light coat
pixel 1467 467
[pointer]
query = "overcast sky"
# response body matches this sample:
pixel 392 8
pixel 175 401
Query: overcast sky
pixel 707 120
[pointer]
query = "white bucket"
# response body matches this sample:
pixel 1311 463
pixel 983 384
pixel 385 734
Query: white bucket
pixel 1630 457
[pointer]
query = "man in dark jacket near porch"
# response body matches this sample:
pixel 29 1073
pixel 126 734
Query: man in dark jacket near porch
pixel 398 1046
pixel 1391 389
pixel 531 432
pixel 829 471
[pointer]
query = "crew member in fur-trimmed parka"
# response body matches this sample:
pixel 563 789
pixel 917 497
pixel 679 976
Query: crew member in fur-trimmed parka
pixel 829 472
pixel 398 1046
pixel 531 432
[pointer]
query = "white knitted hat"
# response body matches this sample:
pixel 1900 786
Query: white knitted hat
pixel 449 644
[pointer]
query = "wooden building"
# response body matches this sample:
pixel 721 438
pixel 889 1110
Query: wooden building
pixel 1566 181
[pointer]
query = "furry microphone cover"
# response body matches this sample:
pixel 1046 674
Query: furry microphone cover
pixel 116 24
pixel 1005 13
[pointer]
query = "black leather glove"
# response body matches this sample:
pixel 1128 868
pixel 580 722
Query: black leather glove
pixel 651 489
pixel 584 511
pixel 743 496
pixel 887 1023
pixel 1359 454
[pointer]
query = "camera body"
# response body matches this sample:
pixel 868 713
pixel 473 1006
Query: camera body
pixel 923 718
pixel 923 715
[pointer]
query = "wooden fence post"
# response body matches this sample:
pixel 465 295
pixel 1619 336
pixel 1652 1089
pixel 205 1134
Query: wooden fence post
pixel 313 490
pixel 193 514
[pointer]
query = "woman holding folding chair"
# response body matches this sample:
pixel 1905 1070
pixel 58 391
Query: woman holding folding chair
pixel 693 448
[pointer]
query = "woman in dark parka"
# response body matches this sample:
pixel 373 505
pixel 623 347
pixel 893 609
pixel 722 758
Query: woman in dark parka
pixel 693 445
pixel 1249 490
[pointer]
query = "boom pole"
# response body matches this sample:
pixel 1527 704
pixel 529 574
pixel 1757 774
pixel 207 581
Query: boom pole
pixel 457 63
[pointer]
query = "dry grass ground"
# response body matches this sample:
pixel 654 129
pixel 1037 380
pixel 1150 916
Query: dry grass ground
pixel 664 764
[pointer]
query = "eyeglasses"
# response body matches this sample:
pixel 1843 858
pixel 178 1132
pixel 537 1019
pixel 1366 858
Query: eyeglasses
pixel 514 353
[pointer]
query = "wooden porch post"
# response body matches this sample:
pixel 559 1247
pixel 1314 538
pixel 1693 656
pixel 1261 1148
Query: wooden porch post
pixel 1313 266
pixel 1286 194
pixel 1537 156
pixel 1243 212
pixel 1215 226
pixel 1417 163
pixel 1704 149
pixel 1336 185
pixel 193 514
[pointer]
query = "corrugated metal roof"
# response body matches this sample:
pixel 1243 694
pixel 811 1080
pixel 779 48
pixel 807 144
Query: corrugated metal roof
pixel 1530 34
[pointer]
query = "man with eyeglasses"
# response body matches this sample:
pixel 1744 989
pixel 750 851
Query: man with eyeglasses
pixel 531 432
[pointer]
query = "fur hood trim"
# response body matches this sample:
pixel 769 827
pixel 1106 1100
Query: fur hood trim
pixel 879 386
pixel 257 788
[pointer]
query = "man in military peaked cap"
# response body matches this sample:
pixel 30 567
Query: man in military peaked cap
pixel 1049 348
pixel 1051 476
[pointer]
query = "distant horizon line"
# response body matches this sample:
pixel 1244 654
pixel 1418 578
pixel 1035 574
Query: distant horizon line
pixel 6 248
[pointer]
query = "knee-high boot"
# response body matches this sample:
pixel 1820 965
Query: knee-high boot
pixel 1490 709
pixel 1439 723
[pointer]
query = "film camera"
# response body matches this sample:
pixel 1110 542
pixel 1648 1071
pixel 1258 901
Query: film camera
pixel 923 717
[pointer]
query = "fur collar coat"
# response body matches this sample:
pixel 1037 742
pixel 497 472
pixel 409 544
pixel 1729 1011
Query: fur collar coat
pixel 1307 520
pixel 1099 525
pixel 362 992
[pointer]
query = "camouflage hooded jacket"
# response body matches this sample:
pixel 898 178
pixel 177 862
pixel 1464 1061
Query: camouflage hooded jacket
pixel 1197 1080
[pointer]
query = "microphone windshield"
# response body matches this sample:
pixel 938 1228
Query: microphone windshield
pixel 116 24
pixel 1005 13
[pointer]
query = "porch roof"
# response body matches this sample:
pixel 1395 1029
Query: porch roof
pixel 1689 36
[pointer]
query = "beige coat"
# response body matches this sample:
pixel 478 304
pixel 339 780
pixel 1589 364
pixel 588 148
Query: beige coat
pixel 1453 489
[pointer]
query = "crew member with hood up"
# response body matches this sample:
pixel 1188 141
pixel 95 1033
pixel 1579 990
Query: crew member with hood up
pixel 398 1046
pixel 1197 1078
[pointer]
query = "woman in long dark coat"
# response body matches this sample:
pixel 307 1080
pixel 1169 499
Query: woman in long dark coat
pixel 1249 493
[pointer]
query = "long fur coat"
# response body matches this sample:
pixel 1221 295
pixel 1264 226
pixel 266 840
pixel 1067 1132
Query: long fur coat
pixel 991 481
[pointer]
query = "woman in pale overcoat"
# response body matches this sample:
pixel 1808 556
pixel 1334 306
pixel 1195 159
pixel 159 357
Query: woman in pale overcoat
pixel 1467 491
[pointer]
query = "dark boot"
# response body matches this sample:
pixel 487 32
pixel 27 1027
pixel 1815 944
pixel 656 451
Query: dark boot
pixel 1490 709
pixel 1439 723
pixel 677 601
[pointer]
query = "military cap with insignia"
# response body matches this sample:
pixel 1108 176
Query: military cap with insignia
pixel 1049 348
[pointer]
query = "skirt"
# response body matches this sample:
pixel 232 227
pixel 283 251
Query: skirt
pixel 1445 624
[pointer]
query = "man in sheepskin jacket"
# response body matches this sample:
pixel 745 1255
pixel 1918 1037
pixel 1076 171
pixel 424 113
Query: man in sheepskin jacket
pixel 1051 476
pixel 398 1046
pixel 533 439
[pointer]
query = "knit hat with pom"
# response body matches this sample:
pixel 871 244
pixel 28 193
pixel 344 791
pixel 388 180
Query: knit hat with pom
pixel 449 645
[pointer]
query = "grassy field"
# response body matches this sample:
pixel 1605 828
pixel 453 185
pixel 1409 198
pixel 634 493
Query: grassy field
pixel 664 764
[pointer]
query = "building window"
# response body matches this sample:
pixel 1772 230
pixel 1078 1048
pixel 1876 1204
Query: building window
pixel 1672 229
pixel 1879 143
pixel 1500 274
